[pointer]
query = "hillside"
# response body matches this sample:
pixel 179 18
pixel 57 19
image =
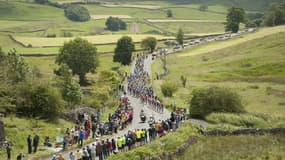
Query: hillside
pixel 250 5
pixel 254 68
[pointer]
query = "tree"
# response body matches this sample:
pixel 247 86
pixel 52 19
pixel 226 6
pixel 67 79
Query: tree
pixel 183 80
pixel 77 13
pixel 38 100
pixel 2 55
pixel 115 24
pixel 276 15
pixel 235 16
pixel 180 37
pixel 169 13
pixel 124 50
pixel 70 89
pixel 80 56
pixel 168 89
pixel 149 44
pixel 214 99
pixel 203 7
pixel 17 68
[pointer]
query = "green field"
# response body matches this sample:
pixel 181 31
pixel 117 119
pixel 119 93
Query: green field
pixel 252 65
pixel 192 27
pixel 237 147
pixel 98 39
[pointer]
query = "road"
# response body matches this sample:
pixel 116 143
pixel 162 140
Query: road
pixel 137 106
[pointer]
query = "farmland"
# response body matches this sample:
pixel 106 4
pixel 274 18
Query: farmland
pixel 98 39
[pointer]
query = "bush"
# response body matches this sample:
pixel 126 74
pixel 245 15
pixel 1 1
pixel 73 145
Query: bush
pixel 77 13
pixel 67 34
pixel 214 99
pixel 53 35
pixel 38 101
pixel 115 24
pixel 183 80
pixel 168 89
pixel 203 8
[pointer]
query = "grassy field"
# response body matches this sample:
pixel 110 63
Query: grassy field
pixel 252 65
pixel 29 11
pixel 191 27
pixel 46 65
pixel 237 147
pixel 98 39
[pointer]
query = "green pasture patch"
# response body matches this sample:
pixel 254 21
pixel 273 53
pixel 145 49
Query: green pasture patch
pixel 191 27
pixel 237 147
pixel 97 39
pixel 29 11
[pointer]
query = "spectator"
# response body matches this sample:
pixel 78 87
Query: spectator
pixel 29 141
pixel 36 143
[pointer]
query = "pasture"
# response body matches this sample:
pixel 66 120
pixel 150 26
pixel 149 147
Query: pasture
pixel 97 39
pixel 252 65
pixel 97 17
pixel 237 147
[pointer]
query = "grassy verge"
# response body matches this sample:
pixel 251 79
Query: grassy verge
pixel 168 143
pixel 247 147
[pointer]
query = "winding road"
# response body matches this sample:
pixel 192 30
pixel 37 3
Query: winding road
pixel 137 106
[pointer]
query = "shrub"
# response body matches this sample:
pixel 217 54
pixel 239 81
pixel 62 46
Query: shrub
pixel 53 35
pixel 168 89
pixel 38 101
pixel 77 13
pixel 183 80
pixel 214 99
pixel 67 34
pixel 115 24
pixel 203 8
pixel 169 13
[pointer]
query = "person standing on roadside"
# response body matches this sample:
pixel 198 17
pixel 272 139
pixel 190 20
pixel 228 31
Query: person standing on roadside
pixel 72 156
pixel 9 149
pixel 36 143
pixel 29 141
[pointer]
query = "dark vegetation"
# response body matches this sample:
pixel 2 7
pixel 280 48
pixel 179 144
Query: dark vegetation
pixel 77 13
pixel 21 93
pixel 214 99
pixel 115 24
pixel 149 44
pixel 168 89
pixel 234 18
pixel 124 50
pixel 80 56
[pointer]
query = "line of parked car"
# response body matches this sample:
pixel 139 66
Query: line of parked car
pixel 202 40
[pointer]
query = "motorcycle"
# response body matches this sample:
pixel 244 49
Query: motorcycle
pixel 151 121
pixel 143 118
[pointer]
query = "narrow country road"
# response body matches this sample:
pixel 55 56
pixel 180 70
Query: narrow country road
pixel 137 106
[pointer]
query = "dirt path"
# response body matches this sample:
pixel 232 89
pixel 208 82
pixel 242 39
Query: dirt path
pixel 135 28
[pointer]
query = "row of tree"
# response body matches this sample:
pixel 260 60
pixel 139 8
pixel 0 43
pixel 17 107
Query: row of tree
pixel 273 17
